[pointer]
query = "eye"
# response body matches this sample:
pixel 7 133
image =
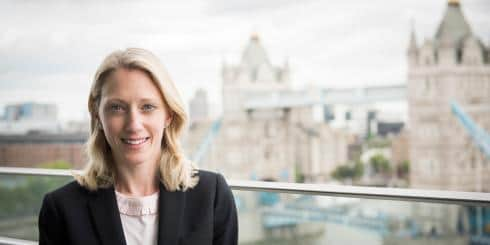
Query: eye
pixel 148 107
pixel 116 107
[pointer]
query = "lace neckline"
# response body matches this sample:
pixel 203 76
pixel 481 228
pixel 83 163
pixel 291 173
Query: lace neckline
pixel 137 206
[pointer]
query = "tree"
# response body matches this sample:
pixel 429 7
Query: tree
pixel 380 164
pixel 56 165
pixel 348 171
pixel 298 174
pixel 358 170
pixel 23 195
pixel 343 172
pixel 403 169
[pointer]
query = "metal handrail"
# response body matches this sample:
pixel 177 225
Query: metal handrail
pixel 398 194
pixel 14 241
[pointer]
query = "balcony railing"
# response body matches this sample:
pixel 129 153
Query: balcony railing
pixel 304 204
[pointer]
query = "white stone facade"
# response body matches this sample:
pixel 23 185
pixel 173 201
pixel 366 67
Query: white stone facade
pixel 254 76
pixel 263 136
pixel 199 107
pixel 454 66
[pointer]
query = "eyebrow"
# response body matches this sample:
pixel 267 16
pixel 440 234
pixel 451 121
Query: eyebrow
pixel 115 100
pixel 150 100
pixel 143 100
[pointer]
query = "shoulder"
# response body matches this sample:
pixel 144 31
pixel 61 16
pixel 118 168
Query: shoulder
pixel 212 192
pixel 209 179
pixel 68 193
pixel 209 184
pixel 66 200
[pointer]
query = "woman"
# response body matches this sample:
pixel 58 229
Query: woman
pixel 138 188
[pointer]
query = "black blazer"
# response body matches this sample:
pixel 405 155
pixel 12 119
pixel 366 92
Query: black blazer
pixel 203 215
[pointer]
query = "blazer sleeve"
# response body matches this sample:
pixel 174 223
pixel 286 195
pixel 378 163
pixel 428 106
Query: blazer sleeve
pixel 50 223
pixel 225 215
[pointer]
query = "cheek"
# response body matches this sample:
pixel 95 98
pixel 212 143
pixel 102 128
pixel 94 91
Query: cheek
pixel 158 128
pixel 112 129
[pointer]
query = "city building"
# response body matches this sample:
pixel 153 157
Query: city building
pixel 37 150
pixel 387 128
pixel 400 148
pixel 453 66
pixel 255 76
pixel 361 110
pixel 199 107
pixel 30 117
pixel 450 68
pixel 269 131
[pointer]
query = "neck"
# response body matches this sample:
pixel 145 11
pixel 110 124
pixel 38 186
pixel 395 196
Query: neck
pixel 141 180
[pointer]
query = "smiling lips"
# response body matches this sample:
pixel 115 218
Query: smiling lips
pixel 135 141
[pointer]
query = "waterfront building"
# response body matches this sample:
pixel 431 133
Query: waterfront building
pixel 268 130
pixel 30 117
pixel 453 66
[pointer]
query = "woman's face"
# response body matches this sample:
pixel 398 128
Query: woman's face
pixel 133 116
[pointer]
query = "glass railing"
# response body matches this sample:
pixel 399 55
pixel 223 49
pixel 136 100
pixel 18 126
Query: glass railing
pixel 288 213
pixel 272 218
pixel 21 197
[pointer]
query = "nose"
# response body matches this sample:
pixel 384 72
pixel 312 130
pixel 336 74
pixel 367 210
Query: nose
pixel 134 121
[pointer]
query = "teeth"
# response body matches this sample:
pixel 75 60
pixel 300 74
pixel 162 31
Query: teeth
pixel 134 142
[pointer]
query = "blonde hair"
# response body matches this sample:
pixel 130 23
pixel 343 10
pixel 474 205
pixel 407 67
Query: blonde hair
pixel 176 172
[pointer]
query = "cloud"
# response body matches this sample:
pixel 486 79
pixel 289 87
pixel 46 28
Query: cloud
pixel 57 45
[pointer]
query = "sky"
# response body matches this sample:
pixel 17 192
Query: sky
pixel 50 49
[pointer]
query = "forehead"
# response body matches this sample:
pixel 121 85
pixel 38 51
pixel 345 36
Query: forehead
pixel 130 84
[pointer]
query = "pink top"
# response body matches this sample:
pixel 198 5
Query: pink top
pixel 139 217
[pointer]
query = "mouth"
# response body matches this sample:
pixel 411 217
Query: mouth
pixel 135 141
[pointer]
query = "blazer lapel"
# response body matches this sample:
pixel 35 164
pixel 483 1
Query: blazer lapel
pixel 170 208
pixel 105 214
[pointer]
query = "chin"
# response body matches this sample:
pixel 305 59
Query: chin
pixel 135 160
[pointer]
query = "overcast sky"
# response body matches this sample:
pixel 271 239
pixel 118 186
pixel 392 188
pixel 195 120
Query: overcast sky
pixel 50 49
